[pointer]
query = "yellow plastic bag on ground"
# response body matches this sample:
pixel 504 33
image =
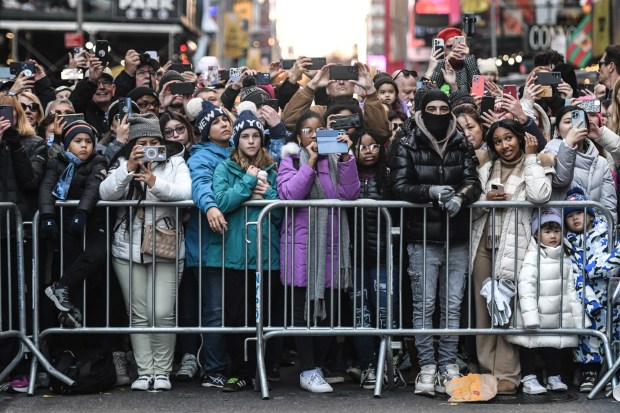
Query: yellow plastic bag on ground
pixel 472 388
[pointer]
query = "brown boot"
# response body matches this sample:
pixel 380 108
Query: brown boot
pixel 506 387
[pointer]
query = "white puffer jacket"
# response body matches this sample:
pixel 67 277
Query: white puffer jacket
pixel 535 186
pixel 173 183
pixel 553 292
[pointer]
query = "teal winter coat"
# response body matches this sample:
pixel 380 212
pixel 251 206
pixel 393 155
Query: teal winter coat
pixel 231 188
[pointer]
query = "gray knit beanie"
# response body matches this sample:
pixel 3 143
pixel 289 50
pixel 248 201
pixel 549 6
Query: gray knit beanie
pixel 168 76
pixel 141 126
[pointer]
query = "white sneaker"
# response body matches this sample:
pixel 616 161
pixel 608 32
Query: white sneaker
pixel 315 383
pixel 188 369
pixel 554 383
pixel 143 383
pixel 452 372
pixel 162 382
pixel 531 385
pixel 425 382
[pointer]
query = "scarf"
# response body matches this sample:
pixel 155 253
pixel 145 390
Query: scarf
pixel 511 185
pixel 64 182
pixel 316 247
pixel 419 118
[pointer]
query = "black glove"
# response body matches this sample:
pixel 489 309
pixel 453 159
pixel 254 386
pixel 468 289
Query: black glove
pixel 49 228
pixel 11 138
pixel 78 222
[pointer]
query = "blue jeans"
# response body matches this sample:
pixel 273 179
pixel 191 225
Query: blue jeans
pixel 367 310
pixel 213 345
pixel 436 260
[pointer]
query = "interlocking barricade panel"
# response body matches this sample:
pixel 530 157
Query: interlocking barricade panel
pixel 418 284
pixel 318 269
pixel 12 296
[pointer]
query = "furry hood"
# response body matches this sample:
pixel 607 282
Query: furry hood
pixel 290 149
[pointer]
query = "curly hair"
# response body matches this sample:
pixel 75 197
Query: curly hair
pixel 380 169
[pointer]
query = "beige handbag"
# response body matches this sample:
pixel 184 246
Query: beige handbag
pixel 166 245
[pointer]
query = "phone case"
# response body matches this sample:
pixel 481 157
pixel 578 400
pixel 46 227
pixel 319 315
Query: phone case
pixel 511 90
pixel 548 78
pixel 328 143
pixel 343 73
pixel 488 103
pixel 7 113
pixel 577 117
pixel 184 88
pixel 477 85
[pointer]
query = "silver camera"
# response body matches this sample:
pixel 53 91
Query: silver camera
pixel 154 154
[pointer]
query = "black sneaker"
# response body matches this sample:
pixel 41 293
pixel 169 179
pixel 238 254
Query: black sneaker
pixel 60 297
pixel 214 380
pixel 273 374
pixel 236 384
pixel 589 381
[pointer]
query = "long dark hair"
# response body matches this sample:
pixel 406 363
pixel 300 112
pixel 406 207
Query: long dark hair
pixel 380 169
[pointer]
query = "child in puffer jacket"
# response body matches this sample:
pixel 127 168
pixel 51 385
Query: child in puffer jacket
pixel 74 173
pixel 546 285
pixel 599 262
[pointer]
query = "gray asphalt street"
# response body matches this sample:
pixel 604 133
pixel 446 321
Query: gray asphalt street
pixel 287 397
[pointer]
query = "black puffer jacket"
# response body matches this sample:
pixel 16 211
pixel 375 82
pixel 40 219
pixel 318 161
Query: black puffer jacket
pixel 21 172
pixel 416 166
pixel 84 186
pixel 368 221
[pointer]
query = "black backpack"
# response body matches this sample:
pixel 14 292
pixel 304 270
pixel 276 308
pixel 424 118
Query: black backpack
pixel 93 371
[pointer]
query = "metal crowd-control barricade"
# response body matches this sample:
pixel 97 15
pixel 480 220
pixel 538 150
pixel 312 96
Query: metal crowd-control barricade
pixel 13 302
pixel 108 326
pixel 266 332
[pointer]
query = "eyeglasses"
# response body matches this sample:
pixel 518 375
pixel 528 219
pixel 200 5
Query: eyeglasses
pixel 374 147
pixel 309 131
pixel 169 133
pixel 602 63
pixel 146 105
pixel 104 83
pixel 33 107
pixel 406 73
pixel 145 73
pixel 395 126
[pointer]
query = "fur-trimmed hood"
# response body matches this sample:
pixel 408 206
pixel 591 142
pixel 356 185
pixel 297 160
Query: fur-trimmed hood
pixel 290 149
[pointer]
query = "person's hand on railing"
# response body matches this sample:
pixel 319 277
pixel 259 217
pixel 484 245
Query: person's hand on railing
pixel 216 220
pixel 441 193
pixel 49 228
pixel 453 206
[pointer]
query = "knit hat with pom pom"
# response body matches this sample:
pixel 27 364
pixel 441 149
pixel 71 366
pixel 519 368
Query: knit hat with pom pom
pixel 247 119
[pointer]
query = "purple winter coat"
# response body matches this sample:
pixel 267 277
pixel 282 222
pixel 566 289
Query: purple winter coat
pixel 295 184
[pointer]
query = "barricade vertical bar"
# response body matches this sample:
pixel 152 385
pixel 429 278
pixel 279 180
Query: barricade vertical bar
pixel 260 340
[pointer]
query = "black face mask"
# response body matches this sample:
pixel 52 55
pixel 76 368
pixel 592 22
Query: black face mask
pixel 437 125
